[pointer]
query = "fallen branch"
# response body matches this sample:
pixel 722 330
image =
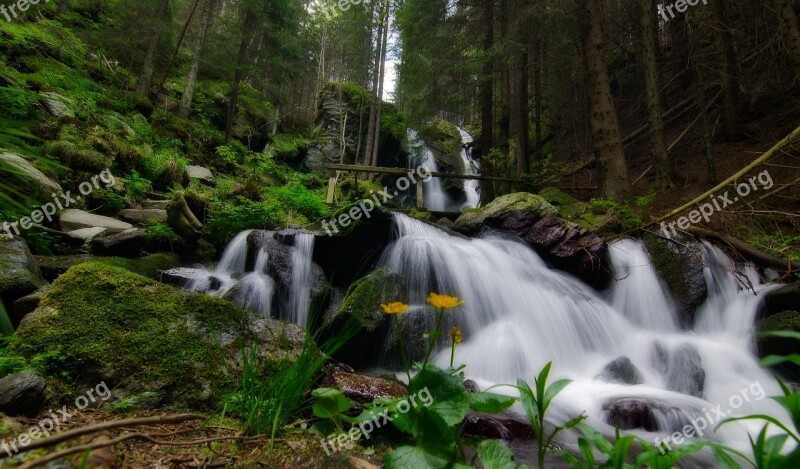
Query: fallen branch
pixel 134 436
pixel 746 250
pixel 763 158
pixel 138 422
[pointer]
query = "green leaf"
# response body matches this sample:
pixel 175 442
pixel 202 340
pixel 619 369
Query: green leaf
pixel 495 455
pixel 450 400
pixel 407 457
pixel 329 403
pixel 772 360
pixel 768 418
pixel 573 462
pixel 528 401
pixel 553 390
pixel 782 334
pixel 489 402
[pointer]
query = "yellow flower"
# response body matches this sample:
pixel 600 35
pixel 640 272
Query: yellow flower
pixel 395 308
pixel 456 336
pixel 444 301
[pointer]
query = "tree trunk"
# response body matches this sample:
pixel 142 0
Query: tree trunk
pixel 241 60
pixel 612 171
pixel 790 32
pixel 376 70
pixel 146 77
pixel 179 43
pixel 487 102
pixel 381 76
pixel 63 5
pixel 504 124
pixel 538 78
pixel 730 75
pixel 522 112
pixel 185 106
pixel 652 83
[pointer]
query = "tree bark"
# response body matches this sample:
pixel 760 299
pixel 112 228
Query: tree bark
pixel 376 70
pixel 487 101
pixel 63 6
pixel 730 75
pixel 185 106
pixel 522 114
pixel 612 171
pixel 146 77
pixel 652 83
pixel 381 76
pixel 790 32
pixel 179 43
pixel 241 60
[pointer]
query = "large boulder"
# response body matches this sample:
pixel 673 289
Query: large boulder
pixel 622 371
pixel 782 299
pixel 768 345
pixel 201 174
pixel 360 313
pixel 19 274
pixel 57 105
pixel 22 394
pixel 582 214
pixel 34 181
pixel 74 219
pixel 680 263
pixel 564 244
pixel 128 243
pixel 143 216
pixel 105 324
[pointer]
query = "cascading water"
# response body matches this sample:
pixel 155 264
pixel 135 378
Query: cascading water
pixel 471 167
pixel 519 314
pixel 243 274
pixel 435 197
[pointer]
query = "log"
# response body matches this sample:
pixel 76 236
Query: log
pixel 746 250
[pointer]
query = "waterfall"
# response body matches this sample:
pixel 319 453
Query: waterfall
pixel 471 186
pixel 243 274
pixel 435 197
pixel 300 296
pixel 519 314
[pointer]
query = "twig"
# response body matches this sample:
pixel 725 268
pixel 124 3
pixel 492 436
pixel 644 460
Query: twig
pixel 134 436
pixel 72 434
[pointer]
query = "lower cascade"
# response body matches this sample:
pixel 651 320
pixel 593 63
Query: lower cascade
pixel 631 364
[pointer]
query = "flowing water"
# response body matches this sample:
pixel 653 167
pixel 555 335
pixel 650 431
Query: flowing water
pixel 436 198
pixel 519 314
pixel 471 186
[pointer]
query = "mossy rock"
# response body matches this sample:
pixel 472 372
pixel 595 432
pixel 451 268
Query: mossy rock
pixel 444 140
pixel 104 323
pixel 19 275
pixel 149 266
pixel 679 264
pixel 785 321
pixel 583 214
pixel 360 310
pixel 472 220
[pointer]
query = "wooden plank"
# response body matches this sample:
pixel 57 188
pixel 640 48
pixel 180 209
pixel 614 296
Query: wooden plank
pixel 420 197
pixel 331 189
pixel 404 172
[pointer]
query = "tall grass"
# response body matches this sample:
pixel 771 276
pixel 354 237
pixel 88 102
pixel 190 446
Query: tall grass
pixel 6 328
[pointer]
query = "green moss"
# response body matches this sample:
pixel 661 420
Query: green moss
pixel 394 122
pixel 364 297
pixel 106 323
pixel 672 272
pixel 630 220
pixel 584 215
pixel 288 147
pixel 444 138
pixel 785 321
pixel 516 202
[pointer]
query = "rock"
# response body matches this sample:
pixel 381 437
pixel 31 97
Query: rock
pixel 186 277
pixel 73 219
pixel 659 358
pixel 496 428
pixel 582 214
pixel 680 264
pixel 143 216
pixel 784 321
pixel 128 243
pixel 362 389
pixel 445 223
pixel 200 173
pixel 28 304
pixel 87 234
pixel 566 245
pixel 22 394
pixel 184 348
pixel 36 182
pixel 19 274
pixel 786 298
pixel 149 266
pixel 155 204
pixel 444 140
pixel 623 371
pixel 56 105
pixel 629 413
pixel 361 311
pixel 686 374
pixel 471 386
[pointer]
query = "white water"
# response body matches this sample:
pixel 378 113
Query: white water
pixel 435 197
pixel 519 314
pixel 252 288
pixel 471 186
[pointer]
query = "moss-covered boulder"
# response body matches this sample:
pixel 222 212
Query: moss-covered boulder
pixel 149 266
pixel 360 310
pixel 782 299
pixel 444 140
pixel 566 245
pixel 103 323
pixel 582 214
pixel 19 274
pixel 680 263
pixel 785 321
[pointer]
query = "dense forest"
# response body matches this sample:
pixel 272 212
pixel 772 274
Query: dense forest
pixel 399 233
